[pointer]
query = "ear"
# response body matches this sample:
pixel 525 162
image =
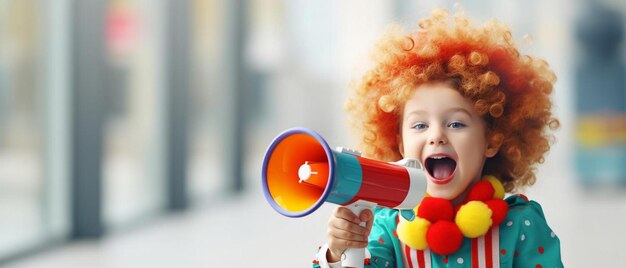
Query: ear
pixel 491 151
pixel 493 146
pixel 400 145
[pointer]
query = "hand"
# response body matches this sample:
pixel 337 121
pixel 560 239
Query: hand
pixel 344 231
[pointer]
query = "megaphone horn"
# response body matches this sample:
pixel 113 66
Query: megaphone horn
pixel 301 172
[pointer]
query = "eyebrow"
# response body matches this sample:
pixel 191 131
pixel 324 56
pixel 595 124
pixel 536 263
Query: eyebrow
pixel 451 110
pixel 461 110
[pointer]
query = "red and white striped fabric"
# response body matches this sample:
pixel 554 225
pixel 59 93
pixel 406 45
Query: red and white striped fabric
pixel 485 252
pixel 416 258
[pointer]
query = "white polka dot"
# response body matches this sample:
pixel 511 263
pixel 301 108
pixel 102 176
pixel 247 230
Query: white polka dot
pixel 459 260
pixel 552 234
pixel 509 223
pixel 523 237
pixel 527 222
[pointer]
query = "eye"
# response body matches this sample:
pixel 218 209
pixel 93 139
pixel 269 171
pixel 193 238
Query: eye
pixel 456 125
pixel 420 126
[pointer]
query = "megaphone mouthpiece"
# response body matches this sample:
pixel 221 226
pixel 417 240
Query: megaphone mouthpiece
pixel 315 174
pixel 304 172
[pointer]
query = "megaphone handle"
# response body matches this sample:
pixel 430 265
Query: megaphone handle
pixel 354 257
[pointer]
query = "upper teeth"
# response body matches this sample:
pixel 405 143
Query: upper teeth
pixel 438 157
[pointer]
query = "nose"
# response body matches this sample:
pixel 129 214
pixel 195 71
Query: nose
pixel 437 137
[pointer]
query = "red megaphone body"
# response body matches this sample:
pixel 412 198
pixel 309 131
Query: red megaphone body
pixel 301 172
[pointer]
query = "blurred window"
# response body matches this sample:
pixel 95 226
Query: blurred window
pixel 207 164
pixel 33 125
pixel 133 143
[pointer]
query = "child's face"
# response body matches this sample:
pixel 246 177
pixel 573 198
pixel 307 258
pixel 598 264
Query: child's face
pixel 442 129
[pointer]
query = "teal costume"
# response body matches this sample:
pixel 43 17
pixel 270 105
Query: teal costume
pixel 525 240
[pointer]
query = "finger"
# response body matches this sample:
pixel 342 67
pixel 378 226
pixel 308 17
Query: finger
pixel 340 245
pixel 346 235
pixel 368 217
pixel 342 224
pixel 346 214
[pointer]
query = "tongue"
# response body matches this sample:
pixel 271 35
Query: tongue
pixel 443 168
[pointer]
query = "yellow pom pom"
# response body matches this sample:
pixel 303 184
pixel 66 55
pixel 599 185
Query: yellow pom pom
pixel 413 233
pixel 474 219
pixel 498 188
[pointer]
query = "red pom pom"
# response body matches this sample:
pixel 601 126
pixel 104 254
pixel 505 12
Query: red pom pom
pixel 434 209
pixel 481 191
pixel 444 237
pixel 499 209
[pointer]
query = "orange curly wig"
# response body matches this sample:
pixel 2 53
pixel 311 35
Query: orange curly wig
pixel 509 90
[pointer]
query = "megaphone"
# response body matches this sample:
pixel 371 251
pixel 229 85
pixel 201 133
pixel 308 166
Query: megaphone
pixel 301 172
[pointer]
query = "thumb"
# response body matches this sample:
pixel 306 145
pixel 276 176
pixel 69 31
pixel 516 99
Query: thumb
pixel 368 217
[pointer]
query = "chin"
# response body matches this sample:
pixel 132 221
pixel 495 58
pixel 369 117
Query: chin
pixel 440 193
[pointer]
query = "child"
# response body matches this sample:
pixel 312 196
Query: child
pixel 463 101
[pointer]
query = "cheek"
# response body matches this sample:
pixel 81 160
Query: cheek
pixel 412 148
pixel 473 155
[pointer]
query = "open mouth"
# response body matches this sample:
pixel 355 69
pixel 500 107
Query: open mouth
pixel 440 167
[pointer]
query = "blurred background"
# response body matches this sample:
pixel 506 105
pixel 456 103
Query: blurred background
pixel 132 131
